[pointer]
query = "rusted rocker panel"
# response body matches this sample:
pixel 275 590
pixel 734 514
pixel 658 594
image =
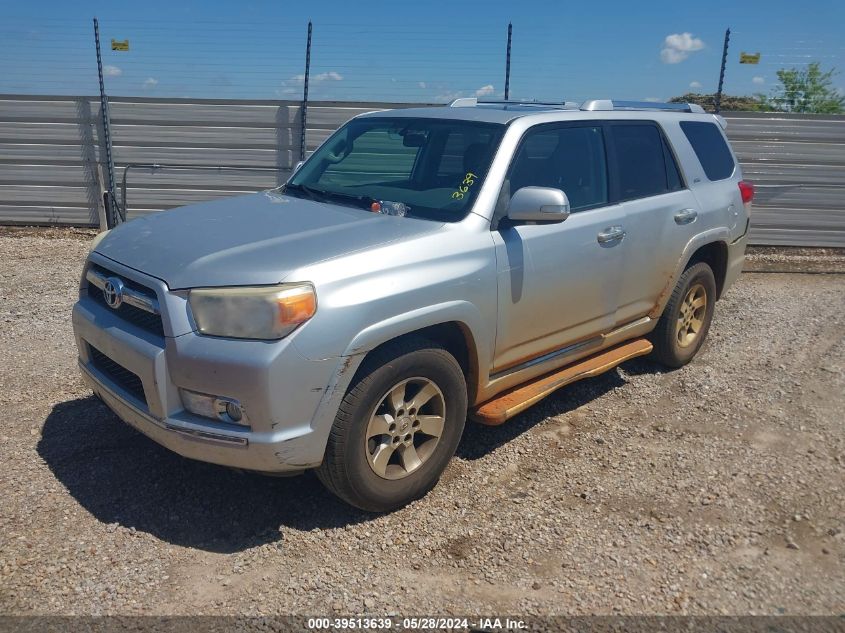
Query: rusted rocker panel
pixel 519 398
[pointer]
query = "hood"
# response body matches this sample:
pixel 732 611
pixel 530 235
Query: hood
pixel 249 240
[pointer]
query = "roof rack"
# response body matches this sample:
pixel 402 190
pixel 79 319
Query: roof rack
pixel 471 102
pixel 608 104
pixel 593 105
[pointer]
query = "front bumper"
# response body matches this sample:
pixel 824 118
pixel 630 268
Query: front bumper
pixel 287 398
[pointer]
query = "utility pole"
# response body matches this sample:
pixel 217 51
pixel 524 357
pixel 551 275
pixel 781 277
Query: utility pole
pixel 112 213
pixel 304 117
pixel 508 63
pixel 718 98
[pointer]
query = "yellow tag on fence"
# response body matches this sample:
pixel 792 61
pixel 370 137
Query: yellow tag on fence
pixel 119 46
pixel 749 58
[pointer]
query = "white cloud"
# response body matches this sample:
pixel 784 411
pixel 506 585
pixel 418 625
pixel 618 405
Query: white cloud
pixel 112 71
pixel 298 80
pixel 678 46
pixel 329 76
pixel 150 82
pixel 695 85
pixel 422 84
pixel 485 91
pixel 758 80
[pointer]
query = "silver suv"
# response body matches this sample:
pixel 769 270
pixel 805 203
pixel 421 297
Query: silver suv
pixel 423 265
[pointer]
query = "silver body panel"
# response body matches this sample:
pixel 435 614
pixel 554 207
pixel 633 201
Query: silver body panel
pixel 529 298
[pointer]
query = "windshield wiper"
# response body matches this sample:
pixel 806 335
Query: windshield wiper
pixel 365 201
pixel 311 194
pixel 323 196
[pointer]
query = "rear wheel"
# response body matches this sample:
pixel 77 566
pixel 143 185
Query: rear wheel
pixel 685 321
pixel 397 427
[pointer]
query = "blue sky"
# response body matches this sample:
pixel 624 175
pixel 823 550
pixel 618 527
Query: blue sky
pixel 412 51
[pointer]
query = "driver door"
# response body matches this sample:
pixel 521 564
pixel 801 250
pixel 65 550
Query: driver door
pixel 558 283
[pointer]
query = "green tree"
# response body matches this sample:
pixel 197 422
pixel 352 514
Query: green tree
pixel 805 90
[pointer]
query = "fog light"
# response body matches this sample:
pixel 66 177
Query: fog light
pixel 213 407
pixel 233 410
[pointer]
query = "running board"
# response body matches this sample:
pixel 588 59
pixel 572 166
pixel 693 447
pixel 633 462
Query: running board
pixel 517 399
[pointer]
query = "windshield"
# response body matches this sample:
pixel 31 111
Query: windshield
pixel 430 168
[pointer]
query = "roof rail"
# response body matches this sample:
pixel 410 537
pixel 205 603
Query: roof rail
pixel 529 102
pixel 464 102
pixel 470 102
pixel 608 104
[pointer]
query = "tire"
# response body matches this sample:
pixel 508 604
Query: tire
pixel 369 461
pixel 676 338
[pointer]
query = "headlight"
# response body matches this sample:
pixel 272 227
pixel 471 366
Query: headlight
pixel 97 239
pixel 264 312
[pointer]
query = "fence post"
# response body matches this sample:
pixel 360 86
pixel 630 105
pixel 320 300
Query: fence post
pixel 718 99
pixel 112 214
pixel 508 63
pixel 304 117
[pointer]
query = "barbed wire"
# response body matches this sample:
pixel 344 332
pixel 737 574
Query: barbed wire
pixel 360 62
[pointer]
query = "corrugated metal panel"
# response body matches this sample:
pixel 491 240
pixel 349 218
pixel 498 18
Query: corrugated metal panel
pixel 50 149
pixel 798 165
pixel 260 135
pixel 49 160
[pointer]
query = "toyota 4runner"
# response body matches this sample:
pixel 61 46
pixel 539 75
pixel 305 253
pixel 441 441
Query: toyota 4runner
pixel 422 265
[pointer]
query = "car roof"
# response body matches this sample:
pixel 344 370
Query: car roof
pixel 482 114
pixel 505 112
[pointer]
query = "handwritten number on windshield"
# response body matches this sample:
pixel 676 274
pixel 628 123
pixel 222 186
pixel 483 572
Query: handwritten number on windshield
pixel 468 182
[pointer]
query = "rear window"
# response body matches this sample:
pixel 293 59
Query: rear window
pixel 710 147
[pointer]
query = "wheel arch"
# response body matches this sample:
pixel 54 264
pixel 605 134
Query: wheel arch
pixel 455 337
pixel 710 247
pixel 715 255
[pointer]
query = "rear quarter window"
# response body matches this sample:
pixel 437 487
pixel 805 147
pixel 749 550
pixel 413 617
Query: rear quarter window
pixel 710 147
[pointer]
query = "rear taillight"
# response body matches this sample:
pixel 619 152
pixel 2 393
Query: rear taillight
pixel 746 190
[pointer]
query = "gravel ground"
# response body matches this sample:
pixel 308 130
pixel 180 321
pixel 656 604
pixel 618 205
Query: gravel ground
pixel 714 489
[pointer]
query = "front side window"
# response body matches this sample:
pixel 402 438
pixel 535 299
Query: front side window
pixel 568 158
pixel 710 148
pixel 434 167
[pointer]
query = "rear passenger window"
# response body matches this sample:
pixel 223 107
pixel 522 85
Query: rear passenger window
pixel 569 158
pixel 710 147
pixel 641 162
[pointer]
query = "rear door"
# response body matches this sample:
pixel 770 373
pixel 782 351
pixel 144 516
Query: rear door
pixel 661 213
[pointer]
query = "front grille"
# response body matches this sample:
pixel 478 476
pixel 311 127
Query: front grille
pixel 118 374
pixel 143 319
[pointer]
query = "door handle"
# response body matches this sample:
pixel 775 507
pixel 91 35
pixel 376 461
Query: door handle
pixel 686 216
pixel 611 234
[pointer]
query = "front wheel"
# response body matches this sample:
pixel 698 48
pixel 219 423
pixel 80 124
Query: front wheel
pixel 397 427
pixel 685 321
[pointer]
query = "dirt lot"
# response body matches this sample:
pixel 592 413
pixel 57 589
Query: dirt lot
pixel 714 489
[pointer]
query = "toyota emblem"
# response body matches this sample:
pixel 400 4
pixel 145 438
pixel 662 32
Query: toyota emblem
pixel 113 292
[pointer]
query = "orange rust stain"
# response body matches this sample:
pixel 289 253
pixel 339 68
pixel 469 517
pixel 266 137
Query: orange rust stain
pixel 517 399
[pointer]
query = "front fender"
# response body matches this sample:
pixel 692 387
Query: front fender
pixel 461 312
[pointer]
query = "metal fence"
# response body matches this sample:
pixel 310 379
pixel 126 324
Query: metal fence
pixel 51 158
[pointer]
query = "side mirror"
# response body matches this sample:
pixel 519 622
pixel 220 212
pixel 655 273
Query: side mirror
pixel 538 204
